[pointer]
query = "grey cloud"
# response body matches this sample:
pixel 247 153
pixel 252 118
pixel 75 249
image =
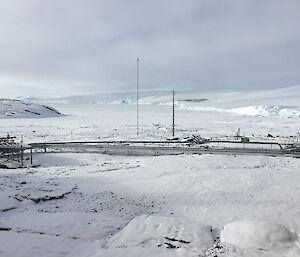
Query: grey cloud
pixel 72 46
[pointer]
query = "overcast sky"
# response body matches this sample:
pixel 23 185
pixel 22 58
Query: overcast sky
pixel 66 47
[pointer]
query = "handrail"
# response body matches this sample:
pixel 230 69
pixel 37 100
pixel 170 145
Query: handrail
pixel 152 142
pixel 251 142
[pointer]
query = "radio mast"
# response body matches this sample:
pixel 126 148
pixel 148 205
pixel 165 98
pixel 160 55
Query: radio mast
pixel 137 95
pixel 173 115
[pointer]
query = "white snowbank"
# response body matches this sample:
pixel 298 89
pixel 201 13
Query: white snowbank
pixel 257 234
pixel 10 108
pixel 156 231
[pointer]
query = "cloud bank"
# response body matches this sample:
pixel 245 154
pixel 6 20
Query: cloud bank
pixel 63 47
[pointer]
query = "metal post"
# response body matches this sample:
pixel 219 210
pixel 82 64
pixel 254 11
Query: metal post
pixel 137 95
pixel 22 159
pixel 31 160
pixel 173 115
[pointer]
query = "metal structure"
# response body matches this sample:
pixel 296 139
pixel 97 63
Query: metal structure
pixel 137 94
pixel 168 147
pixel 11 153
pixel 173 115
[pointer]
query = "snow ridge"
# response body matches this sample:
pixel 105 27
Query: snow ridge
pixel 252 110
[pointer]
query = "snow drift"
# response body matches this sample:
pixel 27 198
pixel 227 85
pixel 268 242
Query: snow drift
pixel 183 238
pixel 10 108
pixel 269 238
pixel 257 234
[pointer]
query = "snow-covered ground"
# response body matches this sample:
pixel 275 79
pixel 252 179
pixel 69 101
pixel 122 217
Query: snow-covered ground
pixel 11 108
pixel 256 113
pixel 130 206
pixel 84 204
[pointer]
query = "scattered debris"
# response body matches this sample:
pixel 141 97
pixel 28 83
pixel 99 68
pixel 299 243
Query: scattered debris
pixel 8 209
pixel 170 246
pixel 177 240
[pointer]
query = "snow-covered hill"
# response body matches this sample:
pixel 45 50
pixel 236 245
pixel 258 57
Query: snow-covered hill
pixel 283 102
pixel 10 108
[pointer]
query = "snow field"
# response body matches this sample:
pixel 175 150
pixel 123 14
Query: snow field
pixel 152 206
pixel 93 205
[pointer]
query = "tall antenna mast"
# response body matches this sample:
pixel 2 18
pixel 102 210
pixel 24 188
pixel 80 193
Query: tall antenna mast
pixel 173 116
pixel 137 95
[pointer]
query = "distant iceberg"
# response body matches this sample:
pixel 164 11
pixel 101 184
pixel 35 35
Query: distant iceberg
pixel 266 111
pixel 252 110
